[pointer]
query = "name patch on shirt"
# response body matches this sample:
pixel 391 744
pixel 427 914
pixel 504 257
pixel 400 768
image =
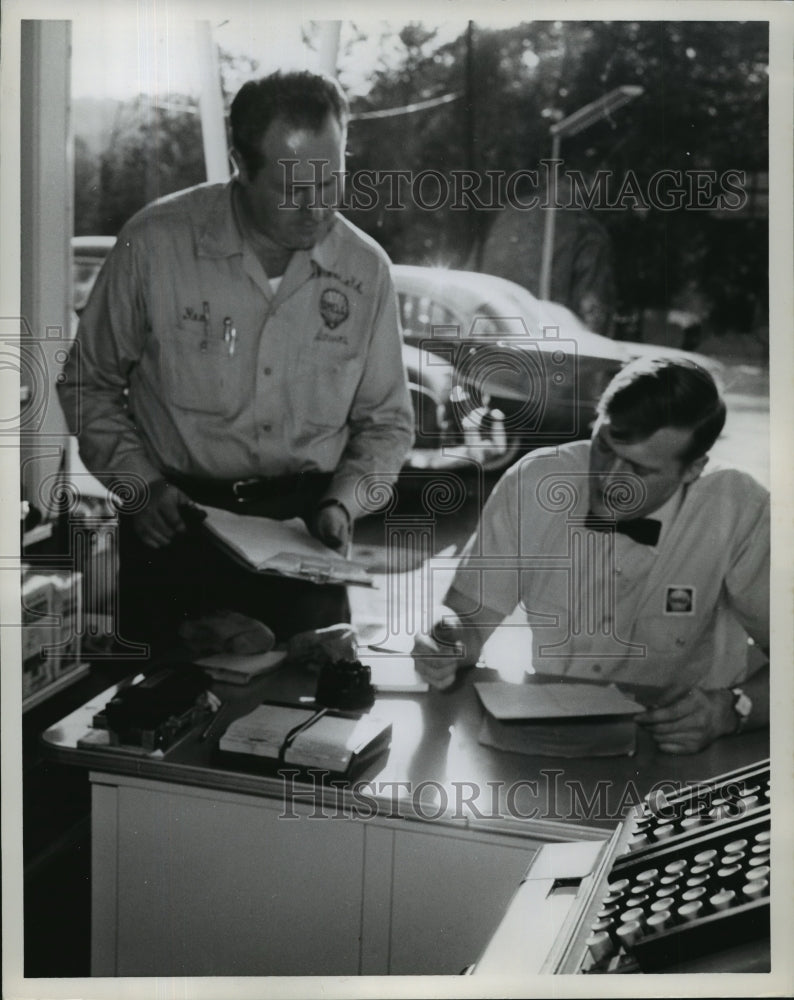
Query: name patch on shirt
pixel 679 600
pixel 347 280
pixel 334 307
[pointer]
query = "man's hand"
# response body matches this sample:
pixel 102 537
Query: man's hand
pixel 161 519
pixel 331 524
pixel 692 721
pixel 436 664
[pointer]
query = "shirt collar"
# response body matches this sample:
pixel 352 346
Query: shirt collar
pixel 667 512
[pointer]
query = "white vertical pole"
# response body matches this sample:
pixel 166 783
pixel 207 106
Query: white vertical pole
pixel 213 122
pixel 46 225
pixel 329 46
pixel 547 253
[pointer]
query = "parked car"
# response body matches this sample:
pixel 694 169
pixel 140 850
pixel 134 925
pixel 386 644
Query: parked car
pixel 493 371
pixel 525 372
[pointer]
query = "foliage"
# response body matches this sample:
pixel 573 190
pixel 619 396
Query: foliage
pixel 704 107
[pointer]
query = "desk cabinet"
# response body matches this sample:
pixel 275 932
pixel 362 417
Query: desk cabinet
pixel 196 882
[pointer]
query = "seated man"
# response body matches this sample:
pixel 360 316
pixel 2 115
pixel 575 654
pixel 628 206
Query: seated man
pixel 661 605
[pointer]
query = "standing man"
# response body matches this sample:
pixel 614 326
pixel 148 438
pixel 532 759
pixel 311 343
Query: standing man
pixel 636 560
pixel 241 349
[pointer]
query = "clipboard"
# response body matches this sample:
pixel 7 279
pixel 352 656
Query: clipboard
pixel 280 548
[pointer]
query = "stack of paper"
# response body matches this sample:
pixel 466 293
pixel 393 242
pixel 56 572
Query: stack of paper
pixel 558 719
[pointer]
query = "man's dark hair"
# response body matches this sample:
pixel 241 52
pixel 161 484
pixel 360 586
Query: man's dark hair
pixel 652 393
pixel 300 98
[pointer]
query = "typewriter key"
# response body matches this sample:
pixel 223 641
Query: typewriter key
pixel 694 893
pixel 690 911
pixel 728 872
pixel 763 837
pixel 723 899
pixel 664 831
pixel 634 913
pixel 691 823
pixel 758 859
pixel 735 846
pixel 761 872
pixel 748 802
pixel 704 856
pixel 695 880
pixel 702 868
pixel 647 877
pixel 599 945
pixel 662 905
pixel 674 867
pixel 732 859
pixel 755 890
pixel 629 933
pixel 657 922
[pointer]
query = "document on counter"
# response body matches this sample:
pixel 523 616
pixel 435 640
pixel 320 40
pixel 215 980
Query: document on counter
pixel 393 673
pixel 558 720
pixel 554 701
pixel 286 548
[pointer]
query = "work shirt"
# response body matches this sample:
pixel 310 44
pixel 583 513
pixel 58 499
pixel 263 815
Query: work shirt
pixel 604 607
pixel 189 363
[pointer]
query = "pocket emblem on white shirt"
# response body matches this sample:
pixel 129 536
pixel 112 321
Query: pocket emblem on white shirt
pixel 679 600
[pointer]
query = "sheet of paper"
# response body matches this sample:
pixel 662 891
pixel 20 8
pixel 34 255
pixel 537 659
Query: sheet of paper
pixel 553 701
pixel 263 731
pixel 392 672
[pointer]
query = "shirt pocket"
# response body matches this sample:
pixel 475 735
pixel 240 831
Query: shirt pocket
pixel 196 369
pixel 330 391
pixel 669 638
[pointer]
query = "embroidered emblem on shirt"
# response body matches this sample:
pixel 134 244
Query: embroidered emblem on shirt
pixel 318 271
pixel 679 600
pixel 334 307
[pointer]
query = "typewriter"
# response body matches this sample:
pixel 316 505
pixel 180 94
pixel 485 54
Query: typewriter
pixel 683 885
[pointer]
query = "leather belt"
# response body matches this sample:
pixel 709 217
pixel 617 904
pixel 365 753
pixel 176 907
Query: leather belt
pixel 286 496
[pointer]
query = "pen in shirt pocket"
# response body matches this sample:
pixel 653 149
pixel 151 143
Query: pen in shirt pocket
pixel 229 335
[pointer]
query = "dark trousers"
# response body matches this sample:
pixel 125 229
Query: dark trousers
pixel 160 588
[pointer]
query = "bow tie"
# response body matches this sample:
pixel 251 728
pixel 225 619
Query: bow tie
pixel 644 530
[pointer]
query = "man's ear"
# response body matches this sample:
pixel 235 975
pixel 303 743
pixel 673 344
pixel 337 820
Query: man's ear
pixel 694 469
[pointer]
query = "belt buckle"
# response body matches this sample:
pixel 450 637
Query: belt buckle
pixel 239 486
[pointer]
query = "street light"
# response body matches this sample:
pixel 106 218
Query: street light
pixel 572 125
